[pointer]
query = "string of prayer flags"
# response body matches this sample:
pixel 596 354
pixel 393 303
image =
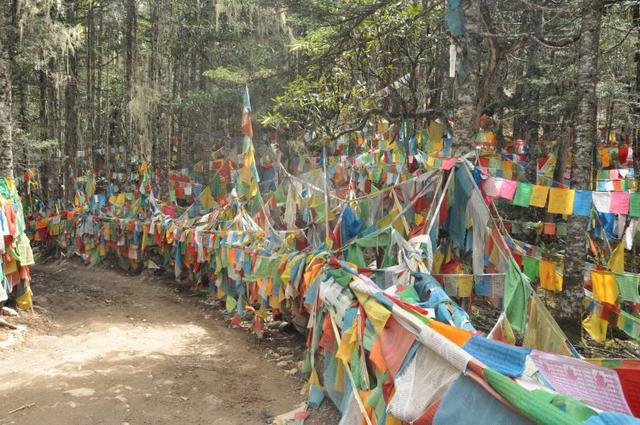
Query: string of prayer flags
pixel 562 200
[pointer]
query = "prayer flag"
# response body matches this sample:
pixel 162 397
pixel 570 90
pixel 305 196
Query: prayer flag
pixel 517 291
pixel 539 196
pixel 247 127
pixel 508 189
pixel 634 205
pixel 561 201
pixel 619 203
pixel 596 327
pixel 531 267
pixel 604 286
pixel 548 276
pixel 602 201
pixel 582 203
pixel 522 196
pixel 492 187
pixel 616 261
pixel 628 287
pixel 549 229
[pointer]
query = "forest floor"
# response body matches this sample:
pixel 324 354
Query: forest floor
pixel 108 348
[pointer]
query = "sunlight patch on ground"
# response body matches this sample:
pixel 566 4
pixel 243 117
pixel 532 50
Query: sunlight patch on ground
pixel 67 355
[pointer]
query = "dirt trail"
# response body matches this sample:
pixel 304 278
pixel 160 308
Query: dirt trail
pixel 138 350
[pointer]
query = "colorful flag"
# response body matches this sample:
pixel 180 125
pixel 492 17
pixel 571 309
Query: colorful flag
pixel 523 195
pixel 619 203
pixel 582 203
pixel 539 196
pixel 602 201
pixel 561 201
pixel 634 205
pixel 247 127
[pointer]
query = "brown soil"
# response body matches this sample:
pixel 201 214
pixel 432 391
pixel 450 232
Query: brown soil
pixel 106 348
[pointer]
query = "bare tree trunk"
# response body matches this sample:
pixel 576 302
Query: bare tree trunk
pixel 466 111
pixel 42 117
pixel 90 138
pixel 131 35
pixel 21 145
pixel 71 113
pixel 7 27
pixel 153 81
pixel 52 101
pixel 531 96
pixel 51 130
pixel 98 89
pixel 636 109
pixel 570 304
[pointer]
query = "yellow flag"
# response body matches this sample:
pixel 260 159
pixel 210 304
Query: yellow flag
pixel 550 279
pixel 616 261
pixel 604 287
pixel 561 201
pixel 206 199
pixel 347 344
pixel 539 196
pixel 596 327
pixel 376 312
pixel 507 331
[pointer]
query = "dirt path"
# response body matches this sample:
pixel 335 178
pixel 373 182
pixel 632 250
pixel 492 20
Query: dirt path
pixel 138 350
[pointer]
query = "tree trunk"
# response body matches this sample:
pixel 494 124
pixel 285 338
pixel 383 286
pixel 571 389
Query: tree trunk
pixel 636 95
pixel 52 102
pixel 42 118
pixel 466 111
pixel 570 304
pixel 7 32
pixel 153 81
pixel 531 96
pixel 91 65
pixel 70 112
pixel 98 90
pixel 131 32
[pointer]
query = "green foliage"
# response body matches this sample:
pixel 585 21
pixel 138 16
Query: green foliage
pixel 346 65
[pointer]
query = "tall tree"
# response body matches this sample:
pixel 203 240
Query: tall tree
pixel 570 306
pixel 467 109
pixel 70 108
pixel 7 34
pixel 129 67
pixel 91 136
